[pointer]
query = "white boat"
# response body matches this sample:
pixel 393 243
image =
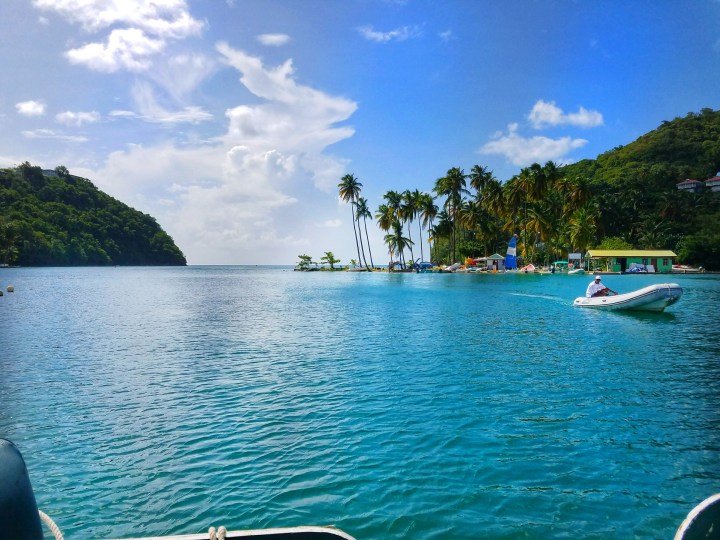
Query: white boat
pixel 576 271
pixel 651 298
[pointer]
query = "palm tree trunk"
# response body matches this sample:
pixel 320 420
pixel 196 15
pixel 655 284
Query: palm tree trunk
pixel 355 232
pixel 367 237
pixel 422 255
pixel 362 248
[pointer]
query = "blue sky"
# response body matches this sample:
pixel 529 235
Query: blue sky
pixel 232 121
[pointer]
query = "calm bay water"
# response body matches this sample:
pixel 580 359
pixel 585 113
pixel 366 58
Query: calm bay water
pixel 150 401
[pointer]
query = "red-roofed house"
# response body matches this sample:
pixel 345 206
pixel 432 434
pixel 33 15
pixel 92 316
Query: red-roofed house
pixel 694 186
pixel 713 183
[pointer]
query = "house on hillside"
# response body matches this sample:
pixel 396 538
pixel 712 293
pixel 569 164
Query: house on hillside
pixel 696 186
pixel 623 260
pixel 693 186
pixel 713 183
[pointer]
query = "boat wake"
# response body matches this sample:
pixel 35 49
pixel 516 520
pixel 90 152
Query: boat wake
pixel 542 296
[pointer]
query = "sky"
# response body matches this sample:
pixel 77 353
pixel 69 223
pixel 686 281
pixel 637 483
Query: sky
pixel 232 121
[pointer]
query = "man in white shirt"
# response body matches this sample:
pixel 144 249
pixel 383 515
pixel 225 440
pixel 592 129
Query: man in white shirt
pixel 596 288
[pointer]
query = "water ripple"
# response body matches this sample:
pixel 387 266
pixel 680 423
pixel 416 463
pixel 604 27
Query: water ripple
pixel 393 406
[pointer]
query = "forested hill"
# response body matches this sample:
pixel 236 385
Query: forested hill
pixel 53 218
pixel 634 189
pixel 683 148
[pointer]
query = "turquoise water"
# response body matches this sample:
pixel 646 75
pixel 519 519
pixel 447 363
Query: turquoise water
pixel 151 401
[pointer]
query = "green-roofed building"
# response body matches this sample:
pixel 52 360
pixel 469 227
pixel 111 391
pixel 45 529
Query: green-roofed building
pixel 627 260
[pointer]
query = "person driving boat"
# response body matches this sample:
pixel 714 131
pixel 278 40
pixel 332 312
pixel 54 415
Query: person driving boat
pixel 596 288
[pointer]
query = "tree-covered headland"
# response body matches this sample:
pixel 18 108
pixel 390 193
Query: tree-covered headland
pixel 625 198
pixel 53 218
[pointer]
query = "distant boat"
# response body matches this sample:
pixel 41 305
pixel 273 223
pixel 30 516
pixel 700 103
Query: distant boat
pixel 576 271
pixel 652 298
pixel 451 268
pixel 684 269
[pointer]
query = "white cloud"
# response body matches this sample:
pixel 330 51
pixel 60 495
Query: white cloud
pixel 151 111
pixel 71 118
pixel 273 40
pixel 30 108
pixel 255 194
pixel 129 49
pixel 544 114
pixel 182 74
pixel 447 35
pixel 141 29
pixel 295 117
pixel 163 18
pixel 49 134
pixel 522 151
pixel 399 34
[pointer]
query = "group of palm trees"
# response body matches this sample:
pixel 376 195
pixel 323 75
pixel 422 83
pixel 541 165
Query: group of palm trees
pixel 550 213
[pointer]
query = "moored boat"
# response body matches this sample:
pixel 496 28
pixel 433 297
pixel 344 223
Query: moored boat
pixel 651 298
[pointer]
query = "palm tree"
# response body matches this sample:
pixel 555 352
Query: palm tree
pixel 407 213
pixel 427 212
pixel 349 192
pixel 397 242
pixel 363 211
pixel 480 177
pixel 453 186
pixel 384 216
pixel 583 226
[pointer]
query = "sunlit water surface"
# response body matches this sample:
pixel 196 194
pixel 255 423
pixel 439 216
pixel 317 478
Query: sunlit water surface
pixel 152 401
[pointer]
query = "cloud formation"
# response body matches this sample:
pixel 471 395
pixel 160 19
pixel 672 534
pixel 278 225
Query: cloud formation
pixel 399 34
pixel 239 194
pixel 140 30
pixel 273 40
pixel 523 151
pixel 30 108
pixel 545 114
pixel 70 118
pixel 49 134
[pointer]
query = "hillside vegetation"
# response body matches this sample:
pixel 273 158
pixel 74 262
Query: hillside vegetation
pixel 635 187
pixel 58 219
pixel 627 198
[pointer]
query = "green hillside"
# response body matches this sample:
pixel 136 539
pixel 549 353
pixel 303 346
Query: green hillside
pixel 53 218
pixel 635 189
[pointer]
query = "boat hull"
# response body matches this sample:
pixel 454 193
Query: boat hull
pixel 652 298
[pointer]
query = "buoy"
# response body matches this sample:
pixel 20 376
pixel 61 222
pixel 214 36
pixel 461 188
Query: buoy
pixel 10 288
pixel 1 293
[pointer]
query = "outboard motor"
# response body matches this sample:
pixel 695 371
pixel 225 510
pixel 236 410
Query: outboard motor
pixel 19 516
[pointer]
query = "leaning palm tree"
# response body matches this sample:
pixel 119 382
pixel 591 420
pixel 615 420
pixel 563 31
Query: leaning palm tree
pixel 362 211
pixel 350 192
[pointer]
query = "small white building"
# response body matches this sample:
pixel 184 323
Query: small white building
pixel 493 263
